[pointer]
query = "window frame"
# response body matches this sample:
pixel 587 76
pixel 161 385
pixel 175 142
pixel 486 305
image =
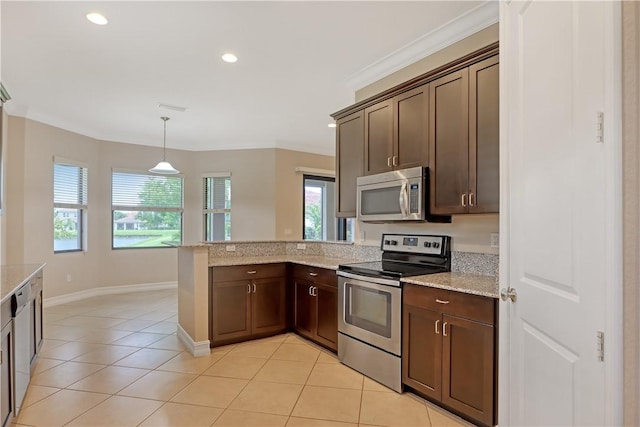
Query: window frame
pixel 206 211
pixel 341 223
pixel 82 208
pixel 131 208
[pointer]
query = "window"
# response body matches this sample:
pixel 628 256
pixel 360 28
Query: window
pixel 320 222
pixel 146 210
pixel 216 208
pixel 69 207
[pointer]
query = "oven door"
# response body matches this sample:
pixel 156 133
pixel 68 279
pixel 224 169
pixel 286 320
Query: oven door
pixel 370 312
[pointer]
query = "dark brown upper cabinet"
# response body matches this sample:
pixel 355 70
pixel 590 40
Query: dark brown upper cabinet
pixel 349 161
pixel 396 132
pixel 464 140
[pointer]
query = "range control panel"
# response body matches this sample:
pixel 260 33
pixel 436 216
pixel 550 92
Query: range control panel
pixel 418 244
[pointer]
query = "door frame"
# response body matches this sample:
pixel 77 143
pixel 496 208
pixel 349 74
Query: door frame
pixel 613 404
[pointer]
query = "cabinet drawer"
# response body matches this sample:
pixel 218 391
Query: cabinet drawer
pixel 247 272
pixel 473 307
pixel 315 275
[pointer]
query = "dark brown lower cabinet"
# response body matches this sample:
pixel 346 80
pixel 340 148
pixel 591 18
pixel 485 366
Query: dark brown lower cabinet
pixel 449 350
pixel 316 305
pixel 249 307
pixel 6 389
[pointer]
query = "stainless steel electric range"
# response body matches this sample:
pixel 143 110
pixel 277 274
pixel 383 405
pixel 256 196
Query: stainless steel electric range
pixel 370 303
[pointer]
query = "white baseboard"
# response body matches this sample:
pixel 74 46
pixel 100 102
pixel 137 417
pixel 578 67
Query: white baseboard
pixel 197 349
pixel 107 290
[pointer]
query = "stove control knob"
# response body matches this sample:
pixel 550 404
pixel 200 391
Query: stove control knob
pixel 427 244
pixel 436 244
pixel 393 242
pixel 387 242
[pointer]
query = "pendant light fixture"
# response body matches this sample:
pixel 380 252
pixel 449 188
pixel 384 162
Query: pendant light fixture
pixel 164 167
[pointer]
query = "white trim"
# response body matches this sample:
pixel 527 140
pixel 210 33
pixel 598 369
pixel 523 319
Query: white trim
pixel 315 171
pixel 107 290
pixel 69 162
pixel 197 349
pixel 216 175
pixel 453 31
pixel 614 375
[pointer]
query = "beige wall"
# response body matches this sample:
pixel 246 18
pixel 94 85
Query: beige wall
pixel 262 189
pixel 470 233
pixel 289 189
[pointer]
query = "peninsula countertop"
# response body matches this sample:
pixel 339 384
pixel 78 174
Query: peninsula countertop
pixel 311 260
pixel 12 276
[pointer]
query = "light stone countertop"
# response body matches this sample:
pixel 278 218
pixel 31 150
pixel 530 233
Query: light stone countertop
pixel 12 276
pixel 473 284
pixel 313 261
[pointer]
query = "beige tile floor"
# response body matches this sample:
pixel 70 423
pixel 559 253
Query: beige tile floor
pixel 116 361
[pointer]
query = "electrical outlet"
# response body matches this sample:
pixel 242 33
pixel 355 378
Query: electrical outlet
pixel 301 246
pixel 495 240
pixel 231 248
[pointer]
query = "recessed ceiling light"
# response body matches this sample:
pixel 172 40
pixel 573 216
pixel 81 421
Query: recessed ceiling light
pixel 97 18
pixel 229 57
pixel 332 125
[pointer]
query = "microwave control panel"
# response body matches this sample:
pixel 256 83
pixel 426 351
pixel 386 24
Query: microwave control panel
pixel 414 198
pixel 420 244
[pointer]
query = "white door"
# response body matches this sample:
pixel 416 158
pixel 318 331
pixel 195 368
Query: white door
pixel 557 226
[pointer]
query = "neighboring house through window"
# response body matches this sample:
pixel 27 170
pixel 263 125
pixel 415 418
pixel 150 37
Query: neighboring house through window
pixel 216 207
pixel 69 206
pixel 146 210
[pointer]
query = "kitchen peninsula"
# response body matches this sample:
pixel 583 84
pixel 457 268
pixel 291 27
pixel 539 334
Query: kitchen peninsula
pixel 21 337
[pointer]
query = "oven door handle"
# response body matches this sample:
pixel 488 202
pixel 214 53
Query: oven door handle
pixel 403 199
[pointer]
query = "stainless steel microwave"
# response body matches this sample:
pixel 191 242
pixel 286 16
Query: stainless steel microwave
pixel 400 195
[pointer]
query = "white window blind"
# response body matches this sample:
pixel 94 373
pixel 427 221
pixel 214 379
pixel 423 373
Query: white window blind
pixel 216 207
pixel 146 192
pixel 69 186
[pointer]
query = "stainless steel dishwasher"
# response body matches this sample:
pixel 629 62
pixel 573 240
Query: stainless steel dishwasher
pixel 21 310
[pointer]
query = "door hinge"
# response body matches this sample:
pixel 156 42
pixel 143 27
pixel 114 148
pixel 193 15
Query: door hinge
pixel 600 127
pixel 600 345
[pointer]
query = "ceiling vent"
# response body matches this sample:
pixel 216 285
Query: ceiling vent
pixel 172 107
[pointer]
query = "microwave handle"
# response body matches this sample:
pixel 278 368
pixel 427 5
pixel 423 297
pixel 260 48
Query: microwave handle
pixel 403 199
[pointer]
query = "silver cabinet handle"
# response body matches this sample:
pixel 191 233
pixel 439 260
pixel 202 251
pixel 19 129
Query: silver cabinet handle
pixel 444 329
pixel 254 288
pixel 394 160
pixel 251 272
pixel 471 199
pixel 315 291
pixel 508 293
pixel 313 274
pixel 439 301
pixel 389 161
pixel 311 290
pixel 248 288
pixel 463 200
pixel 437 328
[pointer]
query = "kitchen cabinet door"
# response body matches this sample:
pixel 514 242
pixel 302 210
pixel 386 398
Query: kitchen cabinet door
pixel 468 367
pixel 484 137
pixel 349 162
pixel 268 307
pixel 411 128
pixel 449 143
pixel 6 386
pixel 304 322
pixel 326 299
pixel 230 310
pixel 378 137
pixel 422 350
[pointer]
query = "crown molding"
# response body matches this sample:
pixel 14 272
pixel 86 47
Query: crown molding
pixel 453 31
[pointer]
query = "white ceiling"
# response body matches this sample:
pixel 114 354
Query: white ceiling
pixel 294 61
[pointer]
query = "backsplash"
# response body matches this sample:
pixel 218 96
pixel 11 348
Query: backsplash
pixel 461 262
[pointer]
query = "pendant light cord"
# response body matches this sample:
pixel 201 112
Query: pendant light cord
pixel 164 139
